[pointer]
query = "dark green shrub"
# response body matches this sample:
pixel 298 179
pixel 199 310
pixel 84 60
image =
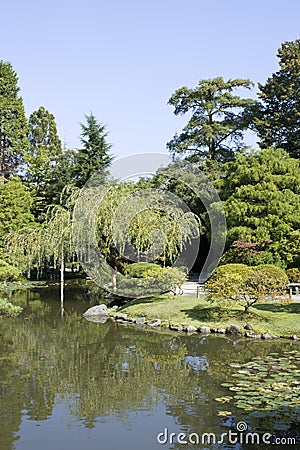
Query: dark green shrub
pixel 293 275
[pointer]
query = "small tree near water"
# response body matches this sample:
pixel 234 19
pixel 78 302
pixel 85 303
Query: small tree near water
pixel 247 285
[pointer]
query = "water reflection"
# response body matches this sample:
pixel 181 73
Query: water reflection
pixel 69 383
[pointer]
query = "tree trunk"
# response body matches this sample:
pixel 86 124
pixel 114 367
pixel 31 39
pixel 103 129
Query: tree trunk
pixel 114 280
pixel 62 280
pixel 2 161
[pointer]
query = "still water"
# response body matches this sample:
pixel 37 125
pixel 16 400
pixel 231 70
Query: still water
pixel 67 383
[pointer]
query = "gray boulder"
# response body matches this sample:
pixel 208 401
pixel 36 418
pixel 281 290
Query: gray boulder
pixel 294 337
pixel 268 336
pixel 233 329
pixel 221 331
pixel 98 319
pixel 122 316
pixel 204 330
pixel 140 320
pixel 191 329
pixel 154 323
pixel 175 327
pixel 252 335
pixel 99 310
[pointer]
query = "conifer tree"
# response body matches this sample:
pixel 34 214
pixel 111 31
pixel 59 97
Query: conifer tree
pixel 94 154
pixel 218 119
pixel 278 121
pixel 13 124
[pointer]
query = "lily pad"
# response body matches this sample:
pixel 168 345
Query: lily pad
pixel 268 386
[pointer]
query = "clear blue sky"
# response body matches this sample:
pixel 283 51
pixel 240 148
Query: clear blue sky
pixel 122 59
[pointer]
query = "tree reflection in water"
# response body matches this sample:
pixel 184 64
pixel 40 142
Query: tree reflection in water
pixel 110 370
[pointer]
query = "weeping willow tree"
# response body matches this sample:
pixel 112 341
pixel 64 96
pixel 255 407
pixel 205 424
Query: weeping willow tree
pixel 152 225
pixel 59 240
pixel 119 223
pixel 50 243
pixel 134 224
pixel 58 232
pixel 27 249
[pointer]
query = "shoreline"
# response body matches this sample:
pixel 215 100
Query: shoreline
pixel 194 316
pixel 230 330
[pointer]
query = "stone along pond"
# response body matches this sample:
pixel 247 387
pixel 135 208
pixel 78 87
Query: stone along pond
pixel 66 383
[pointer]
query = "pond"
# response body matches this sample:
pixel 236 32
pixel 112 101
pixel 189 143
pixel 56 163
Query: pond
pixel 67 383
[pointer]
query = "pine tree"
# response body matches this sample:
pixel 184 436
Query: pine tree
pixel 13 124
pixel 94 154
pixel 218 119
pixel 278 121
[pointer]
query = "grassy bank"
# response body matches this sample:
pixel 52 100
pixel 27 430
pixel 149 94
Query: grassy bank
pixel 268 317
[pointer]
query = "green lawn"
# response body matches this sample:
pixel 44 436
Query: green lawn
pixel 269 317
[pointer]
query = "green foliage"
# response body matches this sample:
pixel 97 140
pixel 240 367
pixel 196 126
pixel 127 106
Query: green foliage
pixel 293 275
pixel 171 276
pixel 13 124
pixel 164 279
pixel 28 248
pixel 43 157
pixel 61 177
pixel 227 280
pixel 8 272
pixel 133 218
pixel 266 386
pixel 94 154
pixel 50 242
pixel 247 285
pixel 168 278
pixel 45 148
pixel 8 309
pixel 251 254
pixel 15 208
pixel 278 119
pixel 262 202
pixel 138 270
pixel 218 119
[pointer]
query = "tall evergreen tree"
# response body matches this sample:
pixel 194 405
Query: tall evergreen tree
pixel 45 148
pixel 278 121
pixel 42 160
pixel 13 124
pixel 94 154
pixel 218 119
pixel 61 176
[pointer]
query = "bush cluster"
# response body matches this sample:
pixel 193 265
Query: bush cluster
pixel 247 285
pixel 8 309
